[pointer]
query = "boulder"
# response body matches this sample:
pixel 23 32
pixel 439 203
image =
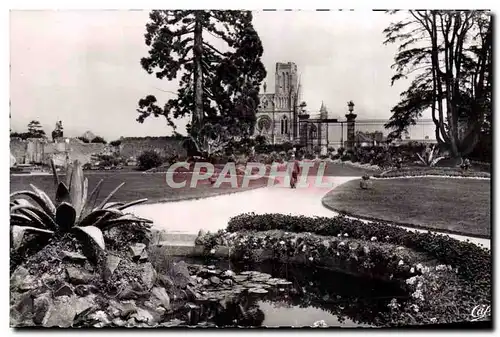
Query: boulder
pixel 72 256
pixel 78 276
pixel 148 275
pixel 136 250
pixel 162 295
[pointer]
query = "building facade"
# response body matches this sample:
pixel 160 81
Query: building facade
pixel 277 115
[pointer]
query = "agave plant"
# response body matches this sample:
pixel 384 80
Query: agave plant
pixel 428 158
pixel 71 211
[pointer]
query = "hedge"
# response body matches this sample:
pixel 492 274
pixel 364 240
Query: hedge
pixel 432 171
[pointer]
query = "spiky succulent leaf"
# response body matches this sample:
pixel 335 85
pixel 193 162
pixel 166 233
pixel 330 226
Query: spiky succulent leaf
pixel 19 218
pixel 65 216
pixel 18 233
pixel 35 220
pixel 91 200
pixel 113 204
pixel 94 233
pixel 133 203
pixel 47 220
pixel 123 220
pixel 84 196
pixel 94 216
pixel 46 199
pixel 62 193
pixel 54 172
pixel 76 188
pixel 35 197
pixel 69 174
pixel 105 201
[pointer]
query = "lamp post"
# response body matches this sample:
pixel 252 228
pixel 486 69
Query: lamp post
pixel 350 125
pixel 66 148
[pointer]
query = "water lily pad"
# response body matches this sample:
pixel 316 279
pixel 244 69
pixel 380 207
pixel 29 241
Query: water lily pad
pixel 257 291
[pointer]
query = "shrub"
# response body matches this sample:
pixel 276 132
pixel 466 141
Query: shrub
pixel 148 160
pixel 72 212
pixel 473 262
pixel 99 140
pixel 432 171
pixel 115 143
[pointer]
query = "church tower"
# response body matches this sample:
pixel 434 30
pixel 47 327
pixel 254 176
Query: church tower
pixel 286 85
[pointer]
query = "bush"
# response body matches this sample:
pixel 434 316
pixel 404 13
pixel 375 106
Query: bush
pixel 473 262
pixel 432 171
pixel 148 160
pixel 98 140
pixel 115 143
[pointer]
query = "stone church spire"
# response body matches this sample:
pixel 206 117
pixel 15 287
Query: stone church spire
pixel 322 111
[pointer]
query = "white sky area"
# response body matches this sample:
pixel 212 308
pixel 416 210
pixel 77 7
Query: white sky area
pixel 82 67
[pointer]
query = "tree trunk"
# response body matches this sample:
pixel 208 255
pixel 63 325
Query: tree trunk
pixel 197 118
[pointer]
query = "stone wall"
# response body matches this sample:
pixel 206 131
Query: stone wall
pixel 41 151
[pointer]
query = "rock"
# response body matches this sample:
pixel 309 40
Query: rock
pixel 73 256
pixel 65 290
pixel 29 283
pixel 162 295
pixel 118 322
pixel 353 245
pixel 136 250
pixel 166 281
pixel 214 280
pixel 24 305
pixel 77 276
pixel 366 250
pixel 228 274
pixel 82 290
pixel 122 309
pixel 41 305
pixel 112 263
pixel 143 315
pixel 192 295
pixel 148 275
pixel 206 282
pixel 212 267
pixel 18 277
pixel 228 281
pixel 180 274
pixel 61 314
pixel 257 291
pixel 144 256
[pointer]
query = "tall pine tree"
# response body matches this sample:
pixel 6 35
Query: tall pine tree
pixel 218 87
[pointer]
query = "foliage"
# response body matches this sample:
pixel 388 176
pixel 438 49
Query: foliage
pixel 22 135
pixel 58 131
pixel 99 140
pixel 428 158
pixel 218 87
pixel 72 212
pixel 115 142
pixel 449 56
pixel 84 139
pixel 432 171
pixel 148 160
pixel 35 130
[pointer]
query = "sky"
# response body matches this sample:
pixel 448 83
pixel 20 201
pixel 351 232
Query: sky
pixel 82 67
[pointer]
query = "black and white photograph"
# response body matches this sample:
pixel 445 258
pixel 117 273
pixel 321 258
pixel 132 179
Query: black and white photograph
pixel 241 168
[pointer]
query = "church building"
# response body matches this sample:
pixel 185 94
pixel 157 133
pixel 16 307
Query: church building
pixel 277 118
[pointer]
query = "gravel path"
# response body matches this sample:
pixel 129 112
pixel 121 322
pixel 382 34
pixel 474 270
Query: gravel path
pixel 213 213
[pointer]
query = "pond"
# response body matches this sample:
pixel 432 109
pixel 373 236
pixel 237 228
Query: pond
pixel 312 295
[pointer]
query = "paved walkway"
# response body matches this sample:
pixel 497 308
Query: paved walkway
pixel 213 213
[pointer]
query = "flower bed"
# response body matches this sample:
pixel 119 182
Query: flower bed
pixel 432 171
pixel 444 278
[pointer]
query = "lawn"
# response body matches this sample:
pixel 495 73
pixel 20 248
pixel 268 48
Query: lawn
pixel 460 206
pixel 137 186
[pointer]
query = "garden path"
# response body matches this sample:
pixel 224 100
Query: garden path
pixel 213 213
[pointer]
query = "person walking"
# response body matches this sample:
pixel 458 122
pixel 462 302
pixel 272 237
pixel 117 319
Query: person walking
pixel 295 171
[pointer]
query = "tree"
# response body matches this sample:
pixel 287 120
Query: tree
pixel 115 143
pixel 98 139
pixel 218 87
pixel 35 130
pixel 449 53
pixel 148 160
pixel 58 131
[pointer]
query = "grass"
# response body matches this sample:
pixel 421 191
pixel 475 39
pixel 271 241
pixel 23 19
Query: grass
pixel 137 186
pixel 459 206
